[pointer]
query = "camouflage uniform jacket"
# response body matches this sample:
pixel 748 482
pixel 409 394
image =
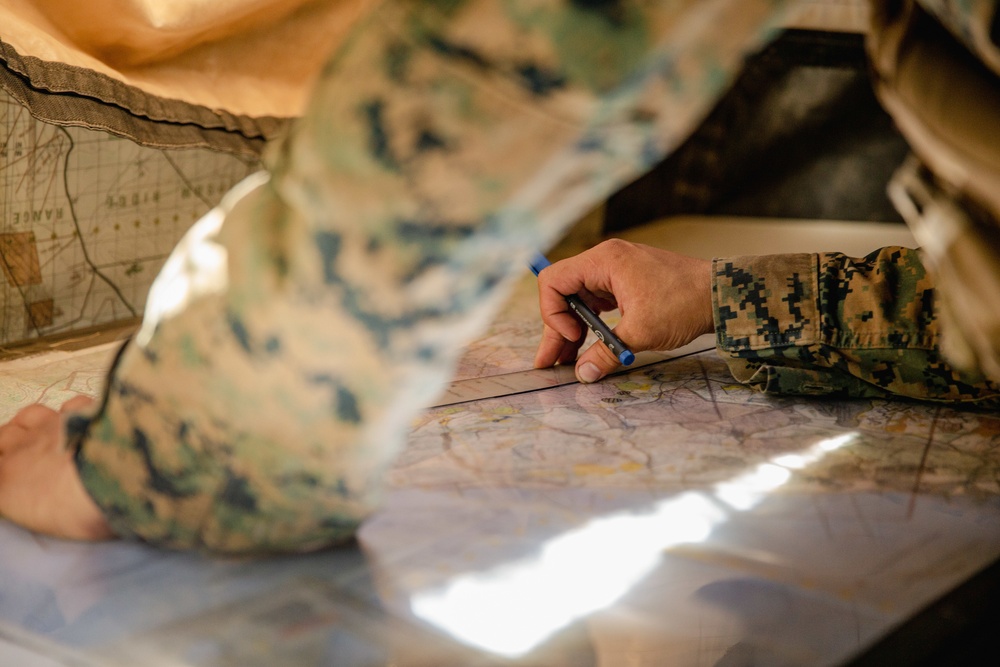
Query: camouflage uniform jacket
pixel 298 328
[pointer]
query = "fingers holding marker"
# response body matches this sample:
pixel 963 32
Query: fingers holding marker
pixel 76 404
pixel 596 362
pixel 554 348
pixel 562 311
pixel 665 301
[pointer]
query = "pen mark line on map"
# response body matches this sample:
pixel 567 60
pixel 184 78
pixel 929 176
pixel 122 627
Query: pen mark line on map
pixel 134 260
pixel 923 463
pixel 79 231
pixel 186 182
pixel 53 254
pixel 529 381
pixel 711 392
pixel 83 308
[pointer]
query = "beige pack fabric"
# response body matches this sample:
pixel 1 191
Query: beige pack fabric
pixel 946 101
pixel 248 57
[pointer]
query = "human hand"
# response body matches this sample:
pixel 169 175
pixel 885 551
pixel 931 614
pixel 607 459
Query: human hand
pixel 40 488
pixel 665 301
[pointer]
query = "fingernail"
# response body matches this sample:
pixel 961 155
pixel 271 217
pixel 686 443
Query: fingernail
pixel 588 372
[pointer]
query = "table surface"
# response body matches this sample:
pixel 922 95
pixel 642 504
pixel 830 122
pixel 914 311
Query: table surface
pixel 664 516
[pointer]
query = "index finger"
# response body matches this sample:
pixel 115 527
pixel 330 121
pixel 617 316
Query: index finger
pixel 578 275
pixel 76 404
pixel 555 349
pixel 555 311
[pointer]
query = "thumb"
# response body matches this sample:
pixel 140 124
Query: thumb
pixel 595 363
pixel 78 403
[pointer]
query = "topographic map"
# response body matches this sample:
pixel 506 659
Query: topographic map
pixel 53 378
pixel 686 422
pixel 665 516
pixel 87 219
pixel 710 427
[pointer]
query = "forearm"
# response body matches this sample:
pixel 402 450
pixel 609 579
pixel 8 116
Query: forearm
pixel 829 324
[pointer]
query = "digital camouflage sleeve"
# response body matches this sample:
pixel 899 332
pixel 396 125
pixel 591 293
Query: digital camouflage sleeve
pixel 815 324
pixel 830 324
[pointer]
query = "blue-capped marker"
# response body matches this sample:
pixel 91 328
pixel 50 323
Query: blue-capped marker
pixel 596 324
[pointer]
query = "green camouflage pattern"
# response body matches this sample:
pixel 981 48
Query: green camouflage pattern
pixel 298 329
pixel 828 324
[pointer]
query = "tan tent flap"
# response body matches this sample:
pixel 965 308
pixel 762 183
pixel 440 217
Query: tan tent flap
pixel 254 58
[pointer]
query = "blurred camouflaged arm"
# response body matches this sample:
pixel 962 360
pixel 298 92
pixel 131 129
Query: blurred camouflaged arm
pixel 826 323
pixel 298 329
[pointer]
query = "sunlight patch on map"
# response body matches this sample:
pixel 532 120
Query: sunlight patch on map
pixel 748 490
pixel 511 609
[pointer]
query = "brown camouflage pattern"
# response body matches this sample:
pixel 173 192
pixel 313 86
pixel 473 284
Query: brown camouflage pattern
pixel 828 324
